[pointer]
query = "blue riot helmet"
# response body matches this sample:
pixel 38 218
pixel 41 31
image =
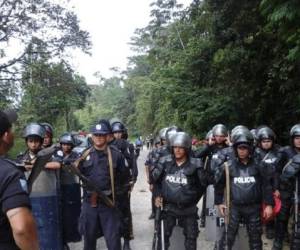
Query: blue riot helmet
pixel 219 130
pixel 67 138
pixel 181 139
pixel 265 133
pixel 209 135
pixel 242 137
pixel 171 131
pixel 162 134
pixel 48 128
pixel 295 130
pixel 118 127
pixel 34 130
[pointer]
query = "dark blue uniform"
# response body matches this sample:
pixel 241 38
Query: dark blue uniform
pixel 96 218
pixel 13 190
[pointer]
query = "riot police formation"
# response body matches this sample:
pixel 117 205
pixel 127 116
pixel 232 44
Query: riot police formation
pixel 241 178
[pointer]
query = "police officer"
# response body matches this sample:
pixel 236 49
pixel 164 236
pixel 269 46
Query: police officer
pixel 249 186
pixel 70 193
pixel 287 187
pixel 209 154
pixel 266 150
pixel 34 136
pixel 17 226
pixel 48 139
pixel 118 130
pixel 148 163
pixel 45 194
pixel 105 166
pixel 180 178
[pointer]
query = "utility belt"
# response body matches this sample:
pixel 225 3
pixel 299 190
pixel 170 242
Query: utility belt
pixel 94 199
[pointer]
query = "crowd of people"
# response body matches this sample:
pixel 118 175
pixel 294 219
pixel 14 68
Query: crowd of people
pixel 242 177
pixel 249 178
pixel 41 203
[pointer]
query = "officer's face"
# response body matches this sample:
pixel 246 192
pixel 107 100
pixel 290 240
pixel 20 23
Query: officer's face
pixel 66 148
pixel 7 139
pixel 179 152
pixel 266 144
pixel 297 142
pixel 47 140
pixel 33 144
pixel 243 152
pixel 99 141
pixel 220 139
pixel 118 135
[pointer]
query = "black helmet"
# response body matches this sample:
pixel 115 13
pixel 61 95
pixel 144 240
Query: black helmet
pixel 34 129
pixel 265 133
pixel 295 130
pixel 118 127
pixel 219 130
pixel 171 131
pixel 237 130
pixel 48 128
pixel 242 137
pixel 101 128
pixel 181 139
pixel 67 138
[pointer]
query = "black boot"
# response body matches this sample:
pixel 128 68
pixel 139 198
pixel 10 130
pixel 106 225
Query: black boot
pixel 126 245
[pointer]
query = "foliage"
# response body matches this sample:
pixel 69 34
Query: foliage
pixel 52 91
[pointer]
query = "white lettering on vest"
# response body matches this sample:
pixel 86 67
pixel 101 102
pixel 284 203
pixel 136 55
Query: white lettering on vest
pixel 178 180
pixel 244 180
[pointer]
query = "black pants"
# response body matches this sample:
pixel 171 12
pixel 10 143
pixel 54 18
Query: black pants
pixel 251 217
pixel 124 207
pixel 190 229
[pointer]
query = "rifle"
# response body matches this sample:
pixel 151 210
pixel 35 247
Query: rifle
pixel 156 228
pixel 296 204
pixel 88 184
pixel 227 203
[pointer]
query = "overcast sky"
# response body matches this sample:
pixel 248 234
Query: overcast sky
pixel 111 24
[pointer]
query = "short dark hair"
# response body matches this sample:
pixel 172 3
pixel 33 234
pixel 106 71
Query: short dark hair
pixel 5 124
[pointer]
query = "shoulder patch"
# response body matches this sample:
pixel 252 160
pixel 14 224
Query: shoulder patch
pixel 60 153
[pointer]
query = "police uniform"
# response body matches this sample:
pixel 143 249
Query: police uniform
pixel 13 190
pixel 286 188
pixel 96 218
pixel 71 202
pixel 181 188
pixel 124 194
pixel 249 186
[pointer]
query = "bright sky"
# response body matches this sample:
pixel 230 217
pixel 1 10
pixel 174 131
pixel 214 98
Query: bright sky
pixel 111 24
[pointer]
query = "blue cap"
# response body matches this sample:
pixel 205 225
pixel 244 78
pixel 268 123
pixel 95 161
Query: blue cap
pixel 100 128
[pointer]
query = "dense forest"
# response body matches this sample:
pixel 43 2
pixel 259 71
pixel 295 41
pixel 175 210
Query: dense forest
pixel 216 61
